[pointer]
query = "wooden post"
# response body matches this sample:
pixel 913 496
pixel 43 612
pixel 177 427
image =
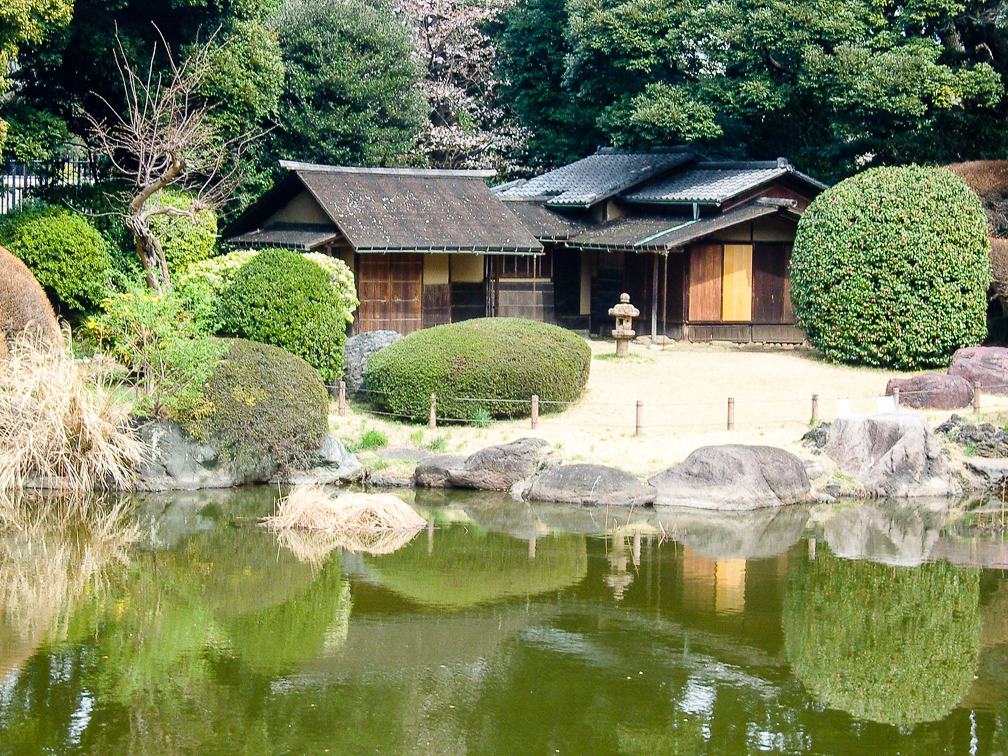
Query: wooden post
pixel 342 398
pixel 654 298
pixel 640 417
pixel 432 421
pixel 815 409
pixel 895 396
pixel 976 397
pixel 535 411
pixel 731 413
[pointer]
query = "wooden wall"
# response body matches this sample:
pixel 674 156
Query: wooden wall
pixel 706 267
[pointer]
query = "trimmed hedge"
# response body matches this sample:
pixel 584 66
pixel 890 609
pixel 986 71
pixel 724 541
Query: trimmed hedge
pixel 66 254
pixel 185 241
pixel 260 402
pixel 23 303
pixel 280 298
pixel 503 361
pixel 891 644
pixel 890 268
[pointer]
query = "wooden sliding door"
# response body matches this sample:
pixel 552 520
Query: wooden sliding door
pixel 391 292
pixel 736 302
pixel 705 272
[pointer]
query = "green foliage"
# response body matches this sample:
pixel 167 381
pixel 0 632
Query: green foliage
pixel 33 134
pixel 282 299
pixel 888 644
pixel 351 96
pixel 370 439
pixel 464 571
pixel 66 254
pixel 101 204
pixel 185 240
pixel 890 268
pixel 261 402
pixel 481 418
pixel 503 361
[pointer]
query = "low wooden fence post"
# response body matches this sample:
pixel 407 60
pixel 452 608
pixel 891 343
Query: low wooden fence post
pixel 640 417
pixel 535 411
pixel 432 421
pixel 731 413
pixel 976 397
pixel 815 409
pixel 895 397
pixel 342 398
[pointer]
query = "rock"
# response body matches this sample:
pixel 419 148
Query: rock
pixel 993 471
pixel 495 468
pixel 356 353
pixel 983 440
pixel 932 391
pixel 733 477
pixel 817 437
pixel 988 365
pixel 390 479
pixel 895 454
pixel 816 468
pixel 177 462
pixel 433 472
pixel 332 464
pixel 589 484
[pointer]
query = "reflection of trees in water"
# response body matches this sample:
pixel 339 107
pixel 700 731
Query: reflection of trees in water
pixel 462 571
pixel 53 550
pixel 892 645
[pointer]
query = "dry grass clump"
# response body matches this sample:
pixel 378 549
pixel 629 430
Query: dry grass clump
pixel 23 302
pixel 314 546
pixel 308 507
pixel 985 177
pixel 59 427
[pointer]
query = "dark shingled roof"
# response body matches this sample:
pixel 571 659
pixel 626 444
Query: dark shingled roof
pixel 661 232
pixel 714 182
pixel 594 178
pixel 402 210
pixel 544 223
pixel 304 236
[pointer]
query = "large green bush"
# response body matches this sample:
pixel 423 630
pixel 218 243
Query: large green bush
pixel 66 254
pixel 894 645
pixel 280 298
pixel 501 362
pixel 890 268
pixel 185 240
pixel 260 402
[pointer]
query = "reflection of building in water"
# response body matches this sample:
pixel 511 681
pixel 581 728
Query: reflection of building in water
pixel 619 578
pixel 713 586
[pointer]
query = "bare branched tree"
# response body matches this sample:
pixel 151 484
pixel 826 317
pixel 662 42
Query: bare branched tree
pixel 165 139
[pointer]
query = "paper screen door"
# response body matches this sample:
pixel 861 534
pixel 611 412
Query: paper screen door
pixel 736 300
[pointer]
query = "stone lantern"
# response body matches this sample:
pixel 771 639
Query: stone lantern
pixel 624 313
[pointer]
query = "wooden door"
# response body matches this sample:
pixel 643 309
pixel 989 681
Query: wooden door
pixel 736 301
pixel 391 292
pixel 771 290
pixel 705 270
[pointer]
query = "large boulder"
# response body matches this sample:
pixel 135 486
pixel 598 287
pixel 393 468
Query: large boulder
pixel 932 391
pixel 732 478
pixel 985 439
pixel 988 365
pixel 495 468
pixel 590 484
pixel 895 454
pixel 177 462
pixel 356 353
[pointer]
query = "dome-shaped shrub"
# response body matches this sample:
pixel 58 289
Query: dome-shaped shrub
pixel 890 268
pixel 260 402
pixel 68 257
pixel 185 240
pixel 895 645
pixel 23 303
pixel 281 298
pixel 501 361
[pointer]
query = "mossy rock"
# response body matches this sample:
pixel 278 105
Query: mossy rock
pixel 491 364
pixel 891 645
pixel 260 403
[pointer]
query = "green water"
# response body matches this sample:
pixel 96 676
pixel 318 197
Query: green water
pixel 505 629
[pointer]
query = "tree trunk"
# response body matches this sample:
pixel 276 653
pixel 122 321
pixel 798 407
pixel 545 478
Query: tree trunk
pixel 151 254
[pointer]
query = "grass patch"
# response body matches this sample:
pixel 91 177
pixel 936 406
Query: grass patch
pixel 370 439
pixel 630 359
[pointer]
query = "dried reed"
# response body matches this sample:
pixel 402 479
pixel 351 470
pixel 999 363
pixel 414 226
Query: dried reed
pixel 314 546
pixel 59 427
pixel 308 507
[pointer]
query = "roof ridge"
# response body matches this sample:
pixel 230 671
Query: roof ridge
pixel 295 165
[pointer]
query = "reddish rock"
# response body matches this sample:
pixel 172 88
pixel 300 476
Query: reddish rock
pixel 932 391
pixel 988 365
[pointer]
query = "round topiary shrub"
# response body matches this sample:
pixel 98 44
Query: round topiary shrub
pixel 260 403
pixel 890 268
pixel 487 365
pixel 23 303
pixel 892 645
pixel 68 257
pixel 280 298
pixel 185 240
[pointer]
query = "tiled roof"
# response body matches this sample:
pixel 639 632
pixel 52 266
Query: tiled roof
pixel 303 236
pixel 546 224
pixel 713 182
pixel 660 232
pixel 597 177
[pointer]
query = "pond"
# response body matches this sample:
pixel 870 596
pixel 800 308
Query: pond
pixel 504 629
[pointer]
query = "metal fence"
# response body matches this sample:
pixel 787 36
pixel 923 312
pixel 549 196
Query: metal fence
pixel 19 180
